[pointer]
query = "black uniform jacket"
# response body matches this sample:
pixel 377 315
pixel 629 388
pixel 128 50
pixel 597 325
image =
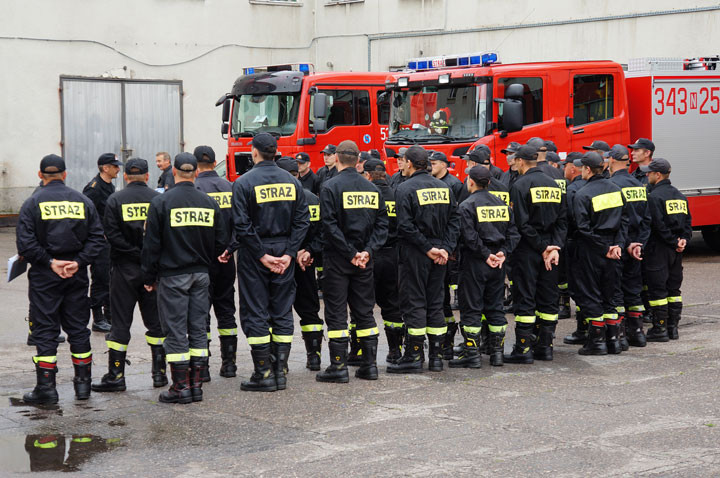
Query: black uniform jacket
pixel 220 189
pixel 388 196
pixel 487 225
pixel 670 214
pixel 311 182
pixel 456 186
pixel 396 180
pixel 124 221
pixel 166 179
pixel 599 211
pixel 313 238
pixel 509 177
pixel 575 185
pixel 99 191
pixel 326 173
pixel 641 176
pixel 57 222
pixel 636 206
pixel 496 187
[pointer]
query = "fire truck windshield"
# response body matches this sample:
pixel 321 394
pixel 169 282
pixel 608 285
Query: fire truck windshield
pixel 439 114
pixel 274 114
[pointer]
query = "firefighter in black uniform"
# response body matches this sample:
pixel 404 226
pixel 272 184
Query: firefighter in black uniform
pixel 428 226
pixel 399 176
pixel 166 179
pixel 488 236
pixel 601 221
pixel 355 227
pixel 308 179
pixel 642 153
pixel 307 302
pixel 628 302
pixel 222 274
pixel 509 177
pixel 185 232
pixel 59 233
pixel 124 223
pixel 670 232
pixel 271 220
pixel 330 169
pixel 541 219
pixel 99 190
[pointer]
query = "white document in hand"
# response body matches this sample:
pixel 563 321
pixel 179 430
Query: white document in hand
pixel 16 266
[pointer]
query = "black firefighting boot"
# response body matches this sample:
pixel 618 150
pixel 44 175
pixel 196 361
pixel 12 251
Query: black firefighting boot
pixel 658 332
pixel 411 361
pixel 355 356
pixel 83 377
pixel 579 337
pixel 470 356
pixel 435 355
pixel 179 391
pixel 449 341
pixel 394 338
pixel 458 349
pixel 674 313
pixel 522 349
pixel 281 352
pixel 647 316
pixel 368 370
pixel 263 377
pixel 313 347
pixel 564 311
pixel 484 338
pixel 197 364
pixel 634 329
pixel 114 380
pixel 595 344
pixel 612 336
pixel 543 349
pixel 496 345
pixel 159 367
pixel 100 323
pixel 337 371
pixel 624 345
pixel 205 372
pixel 228 351
pixel 44 392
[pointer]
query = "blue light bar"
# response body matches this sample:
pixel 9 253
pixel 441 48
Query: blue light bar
pixel 452 61
pixel 463 61
pixel 412 65
pixel 249 71
pixel 422 65
pixel 475 60
pixel 304 67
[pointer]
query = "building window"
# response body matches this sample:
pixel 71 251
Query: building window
pixel 592 99
pixel 532 97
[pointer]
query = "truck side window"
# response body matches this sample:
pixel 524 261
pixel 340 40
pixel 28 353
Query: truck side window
pixel 592 98
pixel 532 98
pixel 383 107
pixel 345 108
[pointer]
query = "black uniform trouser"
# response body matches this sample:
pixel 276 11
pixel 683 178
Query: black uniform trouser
pixel 421 294
pixel 385 274
pixel 307 303
pixel 266 298
pixel 563 281
pixel 126 284
pixel 100 284
pixel 535 292
pixel 183 302
pixel 664 277
pixel 596 279
pixel 348 286
pixel 481 292
pixel 222 297
pixel 629 287
pixel 452 272
pixel 55 303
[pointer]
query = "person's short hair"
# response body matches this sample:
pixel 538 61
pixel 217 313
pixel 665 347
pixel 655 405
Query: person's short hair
pixel 135 177
pixel 185 174
pixel 377 175
pixel 49 176
pixel 165 155
pixel 596 170
pixel 347 153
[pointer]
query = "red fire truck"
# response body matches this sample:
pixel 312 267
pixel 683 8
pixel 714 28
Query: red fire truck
pixel 304 110
pixel 454 103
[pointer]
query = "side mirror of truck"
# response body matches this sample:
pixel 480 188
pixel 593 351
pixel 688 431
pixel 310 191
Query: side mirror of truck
pixel 224 130
pixel 512 116
pixel 226 110
pixel 320 102
pixel 319 125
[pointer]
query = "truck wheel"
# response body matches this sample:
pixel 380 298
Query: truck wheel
pixel 711 236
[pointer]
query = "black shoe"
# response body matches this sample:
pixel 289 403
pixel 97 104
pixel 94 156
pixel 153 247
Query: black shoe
pixel 634 330
pixel 337 371
pixel 83 377
pixel 395 340
pixel 179 391
pixel 100 323
pixel 435 353
pixel 313 347
pixel 595 344
pixel 496 346
pixel 197 364
pixel 612 338
pixel 263 378
pixel 579 337
pixel 281 353
pixel 522 349
pixel 159 366
pixel 564 311
pixel 228 354
pixel 449 341
pixel 354 358
pixel 658 332
pixel 114 380
pixel 368 370
pixel 470 357
pixel 45 392
pixel 411 361
pixel 647 317
pixel 543 349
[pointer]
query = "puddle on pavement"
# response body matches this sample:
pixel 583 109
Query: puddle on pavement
pixel 51 452
pixel 35 412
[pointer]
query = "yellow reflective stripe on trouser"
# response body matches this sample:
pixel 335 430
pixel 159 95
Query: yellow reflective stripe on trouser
pixel 658 303
pixel 227 332
pixel 525 319
pixel 471 330
pixel 83 355
pixel 393 325
pixel 182 357
pixel 453 286
pixel 416 331
pixel 52 444
pixel 367 332
pixel 610 316
pixel 154 340
pixel 548 317
pixel 352 325
pixel 483 318
pixel 449 320
pixel 620 309
pixel 282 339
pixel 594 319
pixel 198 352
pixel 674 300
pixel 319 268
pixel 563 286
pixel 338 334
pixel 311 328
pixel 636 308
pixel 496 328
pixel 82 440
pixel 209 336
pixel 645 288
pixel 436 330
pixel 45 358
pixel 116 346
pixel 259 340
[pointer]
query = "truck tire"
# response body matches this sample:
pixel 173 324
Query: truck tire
pixel 711 236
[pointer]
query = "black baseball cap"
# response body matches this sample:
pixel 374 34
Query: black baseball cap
pixel 591 158
pixel 52 163
pixel 439 156
pixel 479 173
pixel 329 149
pixel 553 157
pixel 598 145
pixel 550 146
pixel 287 163
pixel 136 166
pixel 537 143
pixel 185 162
pixel 479 156
pixel 657 165
pixel 618 152
pixel 108 158
pixel 373 164
pixel 527 152
pixel 571 157
pixel 483 147
pixel 265 143
pixel 401 153
pixel 202 152
pixel 416 155
pixel 643 143
pixel 375 154
pixel 511 148
pixel 302 157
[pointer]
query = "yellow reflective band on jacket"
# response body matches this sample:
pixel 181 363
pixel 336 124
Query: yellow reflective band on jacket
pixel 199 352
pixel 223 199
pixel 361 200
pixel 227 332
pixel 282 339
pixel 116 346
pixel 154 340
pixel 429 196
pixel 635 194
pixel 192 216
pixel 45 358
pixel 51 210
pixel 525 319
pixel 182 357
pixel 620 309
pixel 449 320
pixel 135 211
pixel 676 206
pixel 393 325
pixel 436 330
pixel 367 332
pixel 314 212
pixel 82 440
pixel 274 192
pixel 83 355
pixel 50 444
pixel 416 332
pixel 493 213
pixel 545 194
pixel 658 303
pixel 338 334
pixel 471 330
pixel 259 340
pixel 636 308
pixel 607 201
pixel 391 211
pixel 544 316
pixel 563 286
pixel 674 300
pixel 311 328
pixel 562 184
pixel 495 329
pixel 502 195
